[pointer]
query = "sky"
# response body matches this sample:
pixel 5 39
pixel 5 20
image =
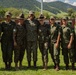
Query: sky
pixel 72 2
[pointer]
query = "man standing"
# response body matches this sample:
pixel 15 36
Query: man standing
pixel 32 38
pixel 43 38
pixel 75 41
pixel 67 38
pixel 19 36
pixel 55 42
pixel 7 40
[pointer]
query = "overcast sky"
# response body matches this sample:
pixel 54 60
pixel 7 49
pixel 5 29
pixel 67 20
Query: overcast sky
pixel 72 2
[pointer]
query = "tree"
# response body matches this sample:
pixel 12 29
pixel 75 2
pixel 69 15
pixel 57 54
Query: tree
pixel 70 12
pixel 2 12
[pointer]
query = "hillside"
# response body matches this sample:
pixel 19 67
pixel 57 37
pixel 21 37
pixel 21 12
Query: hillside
pixel 27 4
pixel 61 6
pixel 53 7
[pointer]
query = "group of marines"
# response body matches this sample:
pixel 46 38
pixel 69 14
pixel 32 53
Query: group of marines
pixel 28 34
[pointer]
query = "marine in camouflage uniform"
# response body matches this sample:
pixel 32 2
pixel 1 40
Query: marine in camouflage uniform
pixel 75 42
pixel 19 36
pixel 7 40
pixel 43 38
pixel 67 43
pixel 32 38
pixel 55 42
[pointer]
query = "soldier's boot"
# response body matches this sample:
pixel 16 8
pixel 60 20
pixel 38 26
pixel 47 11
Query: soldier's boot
pixel 54 65
pixel 57 67
pixel 6 66
pixel 35 64
pixel 67 67
pixel 29 64
pixel 9 65
pixel 20 65
pixel 73 66
pixel 16 67
pixel 45 66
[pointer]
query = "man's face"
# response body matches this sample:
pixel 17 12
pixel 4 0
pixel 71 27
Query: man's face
pixel 21 21
pixel 31 16
pixel 8 17
pixel 52 21
pixel 41 21
pixel 64 22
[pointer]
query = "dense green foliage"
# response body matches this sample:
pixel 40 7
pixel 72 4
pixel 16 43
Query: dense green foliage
pixel 57 8
pixel 54 7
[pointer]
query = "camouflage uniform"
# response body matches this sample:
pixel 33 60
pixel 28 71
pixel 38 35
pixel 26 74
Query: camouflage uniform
pixel 43 41
pixel 67 32
pixel 75 42
pixel 7 40
pixel 19 50
pixel 55 52
pixel 31 37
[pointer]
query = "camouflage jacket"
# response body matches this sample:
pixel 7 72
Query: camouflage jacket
pixel 67 32
pixel 55 30
pixel 20 34
pixel 43 32
pixel 31 27
pixel 7 29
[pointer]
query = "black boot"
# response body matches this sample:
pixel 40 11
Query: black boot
pixel 54 65
pixel 6 66
pixel 9 65
pixel 16 67
pixel 73 66
pixel 29 64
pixel 57 67
pixel 45 66
pixel 67 67
pixel 20 65
pixel 35 64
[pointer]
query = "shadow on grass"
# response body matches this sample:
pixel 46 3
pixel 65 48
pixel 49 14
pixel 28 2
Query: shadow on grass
pixel 3 69
pixel 32 68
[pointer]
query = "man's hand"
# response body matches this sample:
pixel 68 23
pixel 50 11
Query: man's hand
pixel 69 46
pixel 15 44
pixel 56 45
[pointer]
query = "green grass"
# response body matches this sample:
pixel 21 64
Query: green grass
pixel 38 71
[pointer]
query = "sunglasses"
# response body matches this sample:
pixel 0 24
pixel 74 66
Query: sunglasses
pixel 51 19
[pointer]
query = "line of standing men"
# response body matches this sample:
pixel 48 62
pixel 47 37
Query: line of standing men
pixel 26 34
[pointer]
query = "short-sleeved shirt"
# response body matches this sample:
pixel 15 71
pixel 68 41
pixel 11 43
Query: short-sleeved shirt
pixel 55 30
pixel 75 36
pixel 67 32
pixel 7 29
pixel 44 32
pixel 75 30
pixel 20 34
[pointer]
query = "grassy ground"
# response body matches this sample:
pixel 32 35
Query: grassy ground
pixel 39 70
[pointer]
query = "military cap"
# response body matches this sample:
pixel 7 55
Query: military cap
pixel 8 13
pixel 41 17
pixel 64 18
pixel 52 17
pixel 21 16
pixel 31 12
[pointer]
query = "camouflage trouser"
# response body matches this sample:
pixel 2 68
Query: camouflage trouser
pixel 68 53
pixel 75 51
pixel 55 52
pixel 7 51
pixel 32 49
pixel 43 46
pixel 75 54
pixel 18 53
